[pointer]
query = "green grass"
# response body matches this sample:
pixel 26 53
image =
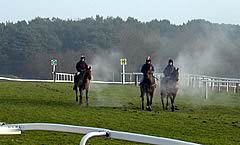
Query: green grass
pixel 215 121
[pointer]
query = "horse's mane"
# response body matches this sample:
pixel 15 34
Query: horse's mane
pixel 150 77
pixel 175 74
pixel 88 74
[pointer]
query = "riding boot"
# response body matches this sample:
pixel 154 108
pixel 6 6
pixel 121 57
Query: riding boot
pixel 142 82
pixel 75 81
pixel 75 86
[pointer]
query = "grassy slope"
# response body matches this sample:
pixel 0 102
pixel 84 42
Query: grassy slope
pixel 214 122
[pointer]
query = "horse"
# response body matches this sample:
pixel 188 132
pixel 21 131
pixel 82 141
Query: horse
pixel 169 89
pixel 148 87
pixel 83 84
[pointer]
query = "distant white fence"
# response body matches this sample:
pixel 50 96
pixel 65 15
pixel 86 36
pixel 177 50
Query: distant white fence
pixel 64 77
pixel 197 81
pixel 185 80
pixel 90 132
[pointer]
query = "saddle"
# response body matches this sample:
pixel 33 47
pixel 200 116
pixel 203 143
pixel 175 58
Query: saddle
pixel 148 82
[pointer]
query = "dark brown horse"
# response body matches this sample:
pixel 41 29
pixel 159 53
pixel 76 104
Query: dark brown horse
pixel 148 88
pixel 169 88
pixel 83 84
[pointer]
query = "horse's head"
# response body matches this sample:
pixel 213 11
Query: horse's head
pixel 88 73
pixel 149 76
pixel 175 74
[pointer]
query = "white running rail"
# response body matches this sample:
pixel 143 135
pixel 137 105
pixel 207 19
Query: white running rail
pixel 91 132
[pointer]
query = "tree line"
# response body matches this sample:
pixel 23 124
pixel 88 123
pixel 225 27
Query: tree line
pixel 197 46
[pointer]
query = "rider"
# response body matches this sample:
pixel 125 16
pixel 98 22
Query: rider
pixel 145 68
pixel 168 70
pixel 81 68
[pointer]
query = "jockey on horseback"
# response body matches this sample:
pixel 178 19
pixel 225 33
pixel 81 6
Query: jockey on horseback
pixel 145 68
pixel 168 70
pixel 81 68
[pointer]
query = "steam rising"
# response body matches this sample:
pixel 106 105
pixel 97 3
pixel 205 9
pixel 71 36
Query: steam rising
pixel 210 55
pixel 106 66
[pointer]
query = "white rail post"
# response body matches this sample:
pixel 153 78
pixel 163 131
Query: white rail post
pixel 123 73
pixel 91 134
pixel 213 81
pixel 123 62
pixel 54 63
pixel 219 87
pixel 54 73
pixel 227 86
pixel 188 80
pixel 194 82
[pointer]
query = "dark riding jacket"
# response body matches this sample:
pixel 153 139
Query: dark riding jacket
pixel 81 66
pixel 168 71
pixel 147 67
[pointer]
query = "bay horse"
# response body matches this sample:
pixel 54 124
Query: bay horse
pixel 147 88
pixel 83 84
pixel 169 88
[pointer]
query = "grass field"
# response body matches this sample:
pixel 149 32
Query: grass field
pixel 215 121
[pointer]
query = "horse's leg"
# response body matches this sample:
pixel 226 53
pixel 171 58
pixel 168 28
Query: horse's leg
pixel 142 96
pixel 151 98
pixel 168 96
pixel 172 102
pixel 162 100
pixel 81 93
pixel 76 91
pixel 148 101
pixel 87 96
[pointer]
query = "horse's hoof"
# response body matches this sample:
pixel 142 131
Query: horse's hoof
pixel 150 108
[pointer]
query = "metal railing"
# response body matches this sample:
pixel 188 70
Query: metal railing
pixel 185 80
pixel 90 132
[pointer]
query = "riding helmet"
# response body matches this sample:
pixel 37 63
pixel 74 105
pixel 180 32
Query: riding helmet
pixel 82 57
pixel 148 58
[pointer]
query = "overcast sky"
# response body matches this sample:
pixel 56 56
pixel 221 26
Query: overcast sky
pixel 177 11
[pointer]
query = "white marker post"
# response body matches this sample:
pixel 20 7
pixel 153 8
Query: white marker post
pixel 123 62
pixel 54 63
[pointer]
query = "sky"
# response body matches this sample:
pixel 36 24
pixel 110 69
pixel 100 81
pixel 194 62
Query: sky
pixel 177 11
